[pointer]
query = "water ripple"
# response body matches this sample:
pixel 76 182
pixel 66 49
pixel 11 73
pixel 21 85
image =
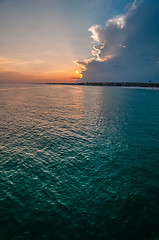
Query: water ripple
pixel 79 163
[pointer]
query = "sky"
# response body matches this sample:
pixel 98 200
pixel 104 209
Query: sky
pixel 83 41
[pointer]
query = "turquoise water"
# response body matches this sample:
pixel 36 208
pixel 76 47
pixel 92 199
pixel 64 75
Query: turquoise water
pixel 79 162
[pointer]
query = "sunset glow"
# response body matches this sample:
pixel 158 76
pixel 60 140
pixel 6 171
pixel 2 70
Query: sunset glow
pixel 39 41
pixel 49 41
pixel 78 74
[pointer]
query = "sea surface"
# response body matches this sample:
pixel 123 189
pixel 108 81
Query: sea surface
pixel 79 163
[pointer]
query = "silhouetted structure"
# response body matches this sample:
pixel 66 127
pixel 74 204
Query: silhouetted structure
pixel 120 84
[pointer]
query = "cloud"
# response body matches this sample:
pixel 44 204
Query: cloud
pixel 10 64
pixel 127 48
pixel 82 64
pixel 108 38
pixel 16 77
pixel 134 5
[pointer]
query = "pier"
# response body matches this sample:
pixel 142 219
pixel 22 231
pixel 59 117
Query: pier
pixel 118 84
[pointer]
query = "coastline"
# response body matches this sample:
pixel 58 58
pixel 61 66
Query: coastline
pixel 114 84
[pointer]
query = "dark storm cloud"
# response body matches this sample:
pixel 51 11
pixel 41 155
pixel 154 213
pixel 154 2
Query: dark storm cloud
pixel 127 47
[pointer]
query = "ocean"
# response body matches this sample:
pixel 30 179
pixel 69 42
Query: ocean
pixel 79 163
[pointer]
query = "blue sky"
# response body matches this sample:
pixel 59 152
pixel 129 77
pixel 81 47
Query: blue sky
pixel 41 41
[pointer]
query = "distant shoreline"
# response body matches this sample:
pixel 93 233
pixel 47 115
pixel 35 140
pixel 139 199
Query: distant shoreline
pixel 117 84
